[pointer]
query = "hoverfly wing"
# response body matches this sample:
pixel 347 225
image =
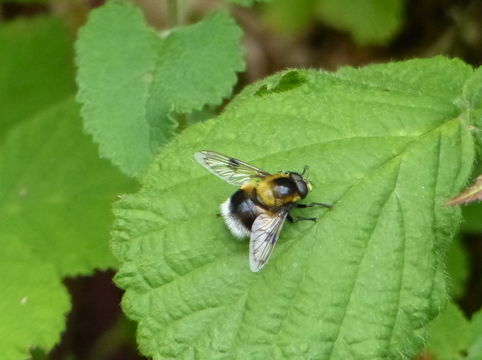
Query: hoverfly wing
pixel 234 171
pixel 264 234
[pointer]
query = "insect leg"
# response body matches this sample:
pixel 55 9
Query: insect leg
pixel 305 170
pixel 303 206
pixel 301 218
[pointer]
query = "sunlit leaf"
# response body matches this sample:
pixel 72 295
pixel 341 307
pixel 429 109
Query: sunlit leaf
pixel 133 80
pixel 387 146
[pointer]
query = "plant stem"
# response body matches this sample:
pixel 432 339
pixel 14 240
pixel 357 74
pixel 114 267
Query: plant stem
pixel 174 13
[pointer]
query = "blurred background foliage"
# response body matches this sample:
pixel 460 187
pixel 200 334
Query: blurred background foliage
pixel 46 158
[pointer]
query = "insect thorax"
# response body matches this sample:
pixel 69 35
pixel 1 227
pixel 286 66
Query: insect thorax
pixel 277 190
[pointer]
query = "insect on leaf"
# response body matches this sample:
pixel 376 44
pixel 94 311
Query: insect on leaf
pixel 387 145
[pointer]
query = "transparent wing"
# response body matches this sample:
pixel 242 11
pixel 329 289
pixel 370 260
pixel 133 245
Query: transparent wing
pixel 264 234
pixel 227 168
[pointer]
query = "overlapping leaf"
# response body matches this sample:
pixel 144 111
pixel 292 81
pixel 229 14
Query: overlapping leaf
pixel 132 79
pixel 387 146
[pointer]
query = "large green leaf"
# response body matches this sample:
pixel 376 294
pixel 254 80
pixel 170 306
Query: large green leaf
pixel 54 221
pixel 132 79
pixel 33 53
pixel 387 145
pixel 56 192
pixel 369 21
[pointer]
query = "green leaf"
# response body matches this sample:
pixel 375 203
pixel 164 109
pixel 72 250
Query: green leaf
pixel 472 212
pixel 33 53
pixel 457 268
pixel 56 193
pixel 133 81
pixel 290 16
pixel 472 218
pixel 33 302
pixel 453 337
pixel 476 327
pixel 450 334
pixel 370 22
pixel 387 145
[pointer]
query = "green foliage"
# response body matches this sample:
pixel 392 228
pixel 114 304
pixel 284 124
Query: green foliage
pixel 33 53
pixel 134 81
pixel 472 212
pixel 33 302
pixel 290 16
pixel 54 221
pixel 387 145
pixel 56 193
pixel 472 223
pixel 457 267
pixel 370 22
pixel 453 337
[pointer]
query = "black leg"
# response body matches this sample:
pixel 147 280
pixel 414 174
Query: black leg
pixel 290 218
pixel 303 206
pixel 301 218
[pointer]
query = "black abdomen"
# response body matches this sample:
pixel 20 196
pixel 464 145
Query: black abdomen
pixel 243 208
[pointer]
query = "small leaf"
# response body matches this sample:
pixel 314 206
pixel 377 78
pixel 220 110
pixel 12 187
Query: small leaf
pixel 56 193
pixel 472 222
pixel 453 337
pixel 33 302
pixel 449 334
pixel 471 194
pixel 457 268
pixel 472 212
pixel 476 326
pixel 290 16
pixel 387 144
pixel 288 81
pixel 33 53
pixel 132 80
pixel 370 22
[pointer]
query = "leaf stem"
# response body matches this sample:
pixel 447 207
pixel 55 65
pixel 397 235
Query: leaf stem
pixel 120 333
pixel 174 13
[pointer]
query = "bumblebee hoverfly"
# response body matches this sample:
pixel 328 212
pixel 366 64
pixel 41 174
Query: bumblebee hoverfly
pixel 261 205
